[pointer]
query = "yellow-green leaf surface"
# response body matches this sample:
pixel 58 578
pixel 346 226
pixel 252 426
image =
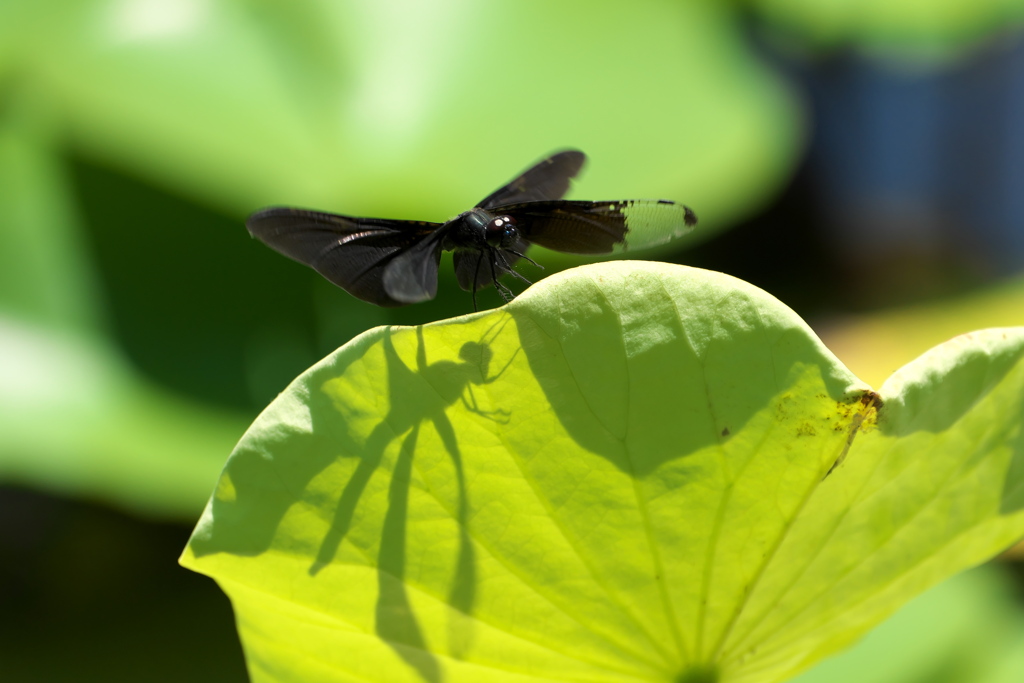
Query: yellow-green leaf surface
pixel 634 472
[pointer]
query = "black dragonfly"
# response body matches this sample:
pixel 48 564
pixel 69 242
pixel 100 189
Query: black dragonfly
pixel 394 262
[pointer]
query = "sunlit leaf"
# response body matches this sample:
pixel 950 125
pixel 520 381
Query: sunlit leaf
pixel 634 472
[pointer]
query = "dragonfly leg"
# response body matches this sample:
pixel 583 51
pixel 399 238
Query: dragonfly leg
pixel 503 289
pixel 510 269
pixel 524 257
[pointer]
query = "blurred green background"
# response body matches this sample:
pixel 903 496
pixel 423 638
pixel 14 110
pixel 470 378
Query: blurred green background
pixel 862 161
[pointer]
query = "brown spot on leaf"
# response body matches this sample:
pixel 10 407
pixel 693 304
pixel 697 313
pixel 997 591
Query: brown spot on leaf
pixel 862 415
pixel 806 429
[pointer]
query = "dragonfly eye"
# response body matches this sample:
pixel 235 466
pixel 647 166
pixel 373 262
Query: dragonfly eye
pixel 501 232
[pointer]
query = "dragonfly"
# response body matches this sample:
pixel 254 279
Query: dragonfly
pixel 391 262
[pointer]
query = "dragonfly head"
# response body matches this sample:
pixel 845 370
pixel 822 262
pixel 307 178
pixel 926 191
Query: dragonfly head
pixel 501 232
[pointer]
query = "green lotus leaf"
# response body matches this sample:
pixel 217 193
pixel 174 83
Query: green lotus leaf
pixel 633 472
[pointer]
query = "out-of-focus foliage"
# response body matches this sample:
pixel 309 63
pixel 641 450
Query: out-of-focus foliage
pixel 93 595
pixel 409 108
pixel 874 345
pixel 966 630
pixel 633 472
pixel 394 108
pixel 73 416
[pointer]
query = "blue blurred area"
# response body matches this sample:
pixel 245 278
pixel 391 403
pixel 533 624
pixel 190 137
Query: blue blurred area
pixel 926 157
pixel 910 188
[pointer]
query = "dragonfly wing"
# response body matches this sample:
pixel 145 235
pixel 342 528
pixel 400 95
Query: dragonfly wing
pixel 546 180
pixel 472 269
pixel 411 275
pixel 578 227
pixel 353 253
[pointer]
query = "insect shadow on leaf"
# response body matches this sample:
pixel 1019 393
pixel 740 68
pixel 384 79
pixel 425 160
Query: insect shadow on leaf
pixel 443 382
